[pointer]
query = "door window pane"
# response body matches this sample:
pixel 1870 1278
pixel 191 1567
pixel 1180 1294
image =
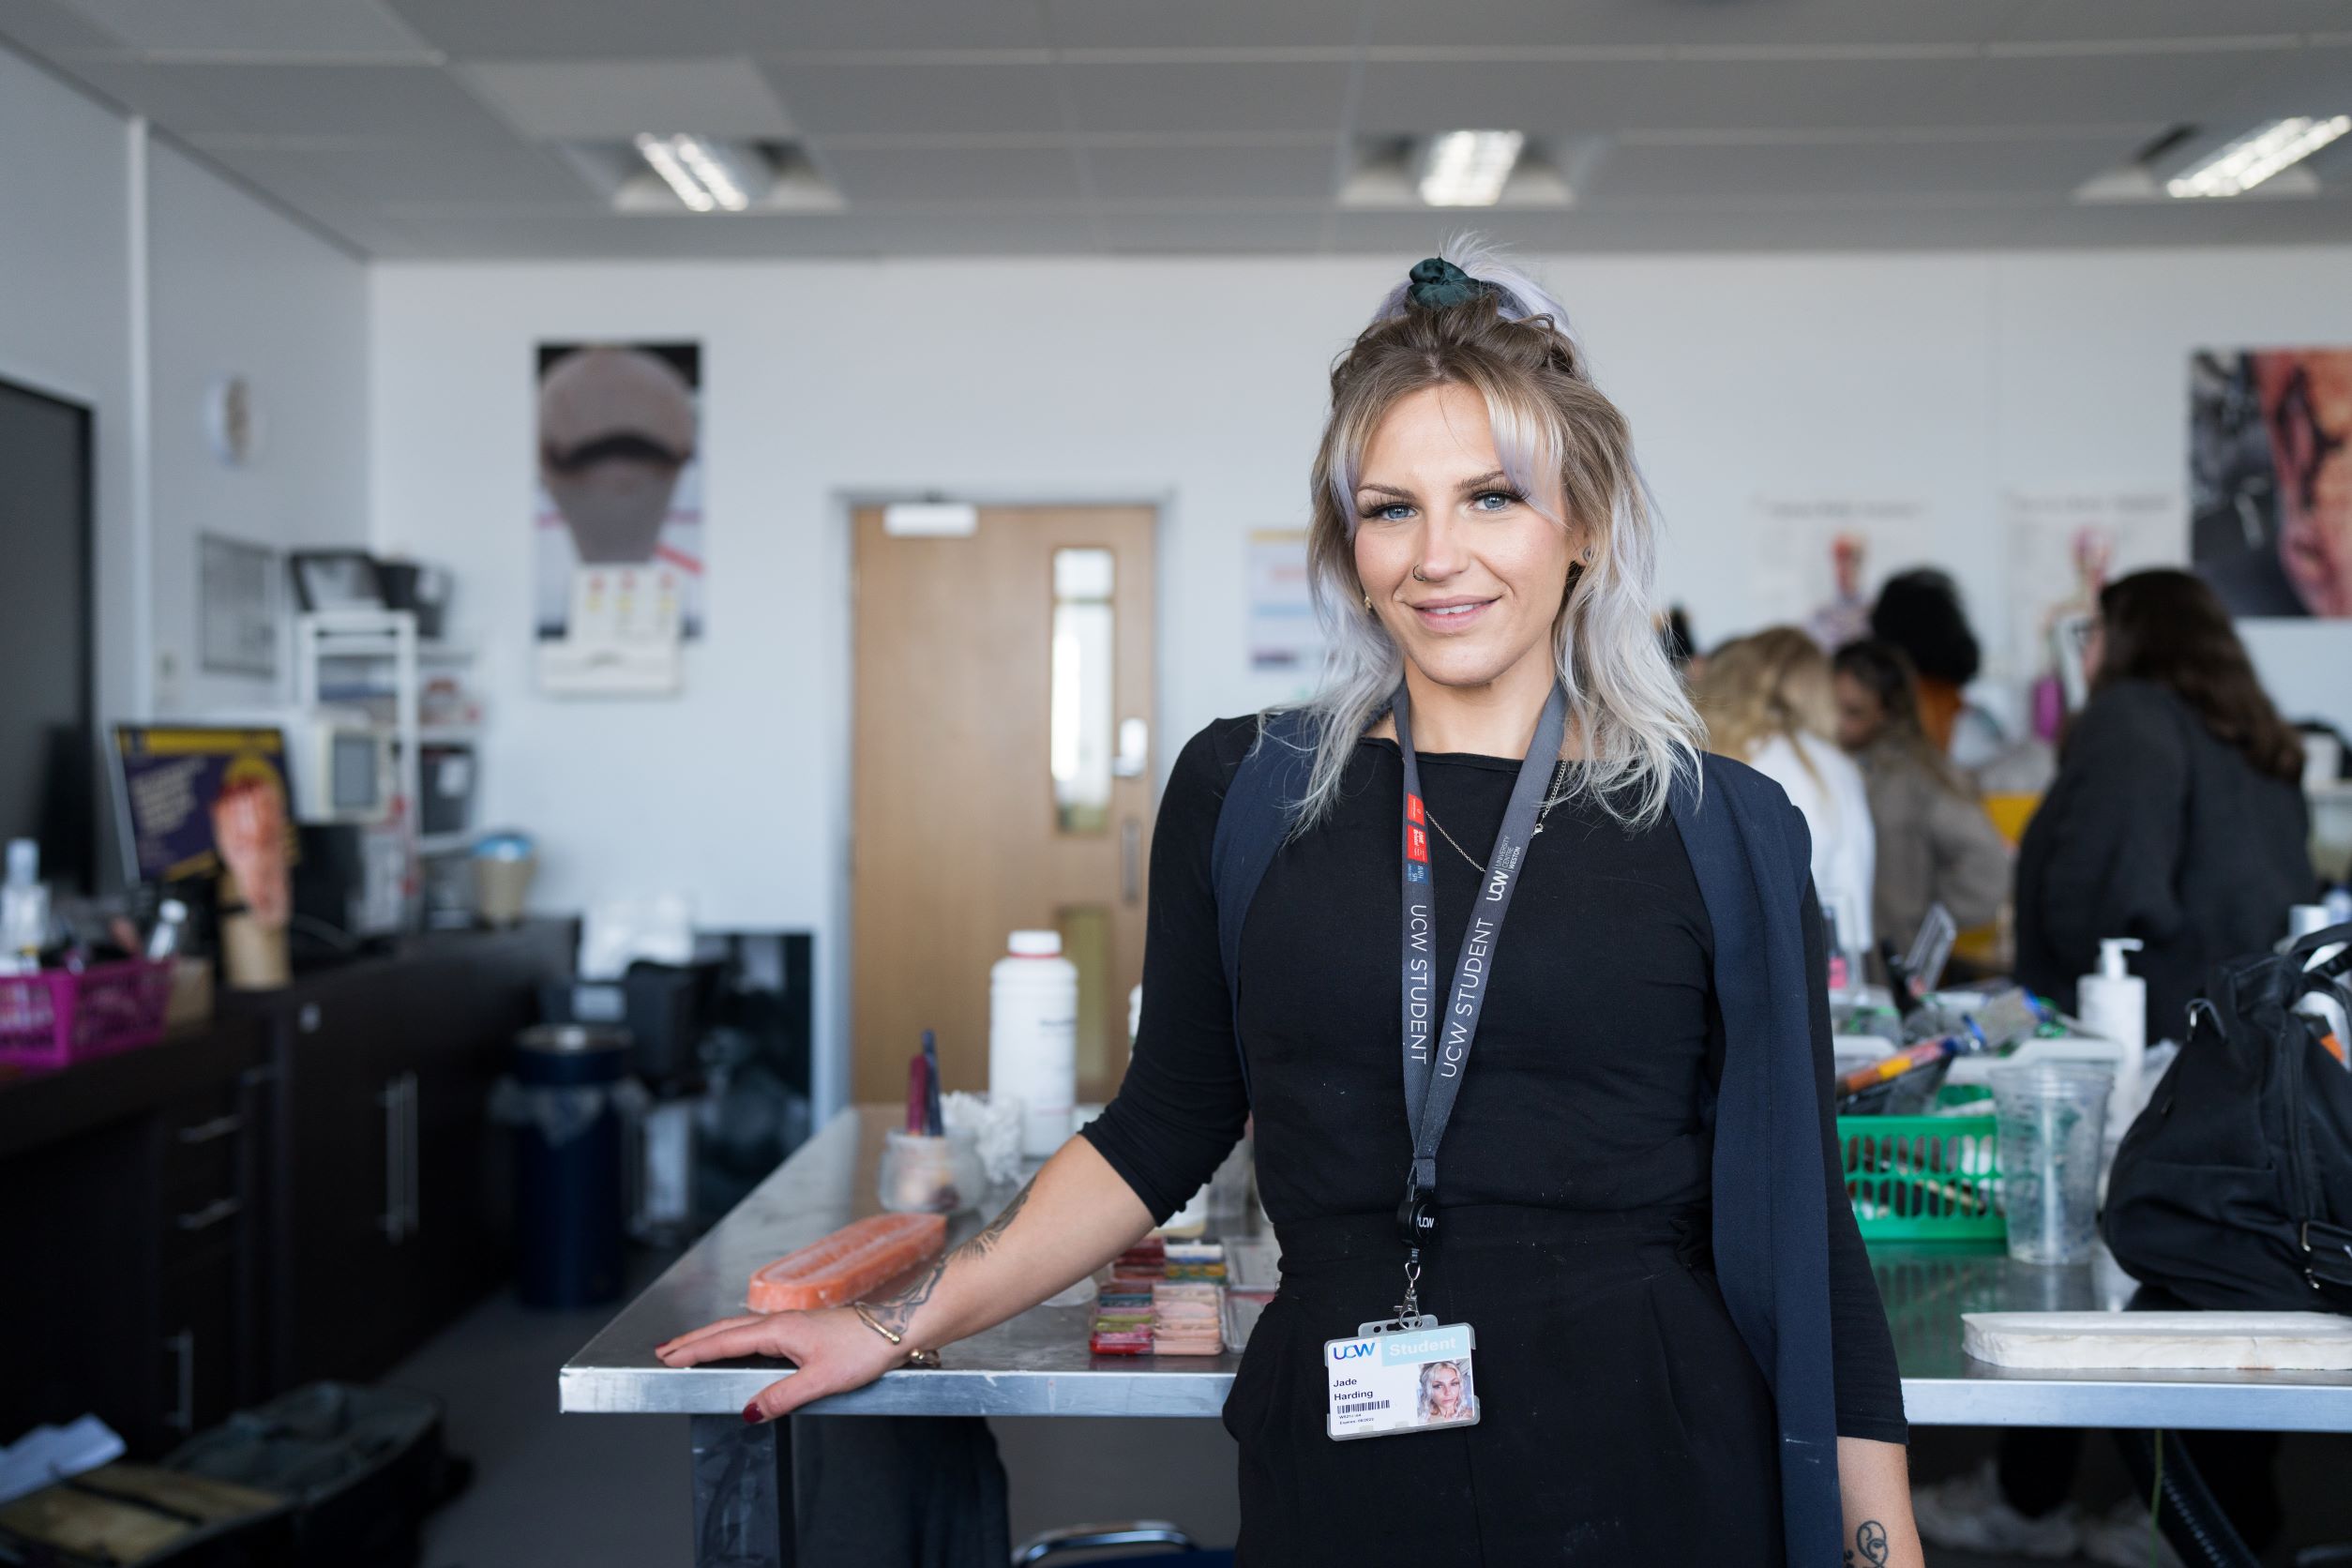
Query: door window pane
pixel 1081 741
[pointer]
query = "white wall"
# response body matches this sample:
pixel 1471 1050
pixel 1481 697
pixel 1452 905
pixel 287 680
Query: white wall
pixel 1946 379
pixel 130 277
pixel 65 310
pixel 237 288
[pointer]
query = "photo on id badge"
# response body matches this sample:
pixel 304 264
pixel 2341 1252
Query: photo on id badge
pixel 1412 1381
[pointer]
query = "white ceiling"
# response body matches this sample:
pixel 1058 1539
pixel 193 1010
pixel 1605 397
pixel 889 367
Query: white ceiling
pixel 431 127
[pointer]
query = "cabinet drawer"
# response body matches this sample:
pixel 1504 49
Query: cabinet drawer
pixel 204 1137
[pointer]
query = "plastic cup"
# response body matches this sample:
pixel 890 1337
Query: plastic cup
pixel 922 1175
pixel 2052 1119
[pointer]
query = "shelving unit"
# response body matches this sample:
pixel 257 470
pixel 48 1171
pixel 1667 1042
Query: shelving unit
pixel 372 659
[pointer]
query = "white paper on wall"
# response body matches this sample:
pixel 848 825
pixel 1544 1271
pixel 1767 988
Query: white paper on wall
pixel 2063 542
pixel 1283 635
pixel 1795 549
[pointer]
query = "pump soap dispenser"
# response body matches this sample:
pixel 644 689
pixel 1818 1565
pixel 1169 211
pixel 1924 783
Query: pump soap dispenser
pixel 2114 1001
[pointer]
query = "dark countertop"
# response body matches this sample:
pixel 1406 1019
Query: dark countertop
pixel 45 1106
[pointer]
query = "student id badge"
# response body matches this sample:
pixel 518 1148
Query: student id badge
pixel 1409 1375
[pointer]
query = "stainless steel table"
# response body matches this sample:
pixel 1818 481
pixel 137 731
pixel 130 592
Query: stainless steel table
pixel 1038 1363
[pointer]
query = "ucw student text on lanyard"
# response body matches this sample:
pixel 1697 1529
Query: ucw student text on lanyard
pixel 1411 1373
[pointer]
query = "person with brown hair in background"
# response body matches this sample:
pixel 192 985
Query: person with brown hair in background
pixel 1934 843
pixel 1920 612
pixel 2177 816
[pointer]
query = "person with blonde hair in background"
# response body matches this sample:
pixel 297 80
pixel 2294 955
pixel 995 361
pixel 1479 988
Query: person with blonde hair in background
pixel 1769 702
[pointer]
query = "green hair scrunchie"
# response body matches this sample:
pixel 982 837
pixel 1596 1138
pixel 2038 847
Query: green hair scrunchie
pixel 1437 283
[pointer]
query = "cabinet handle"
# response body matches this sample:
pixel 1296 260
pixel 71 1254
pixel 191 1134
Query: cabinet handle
pixel 1130 860
pixel 183 1348
pixel 415 1211
pixel 218 1127
pixel 395 1216
pixel 211 1215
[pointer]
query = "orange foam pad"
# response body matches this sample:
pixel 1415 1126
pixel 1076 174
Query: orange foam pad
pixel 846 1263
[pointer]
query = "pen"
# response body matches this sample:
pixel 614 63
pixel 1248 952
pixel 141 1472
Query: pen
pixel 934 1121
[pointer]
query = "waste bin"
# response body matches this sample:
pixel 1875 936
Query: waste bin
pixel 567 1101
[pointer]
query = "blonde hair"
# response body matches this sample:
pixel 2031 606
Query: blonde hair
pixel 1772 684
pixel 1511 346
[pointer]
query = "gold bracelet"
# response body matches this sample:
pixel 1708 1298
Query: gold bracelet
pixel 927 1359
pixel 865 1316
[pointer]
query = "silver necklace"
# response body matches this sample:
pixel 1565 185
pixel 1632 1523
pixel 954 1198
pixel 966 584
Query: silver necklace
pixel 1551 798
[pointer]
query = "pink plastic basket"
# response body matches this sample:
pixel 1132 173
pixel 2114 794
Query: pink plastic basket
pixel 57 1016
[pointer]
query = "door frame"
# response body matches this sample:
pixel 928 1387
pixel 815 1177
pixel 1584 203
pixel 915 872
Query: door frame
pixel 835 1008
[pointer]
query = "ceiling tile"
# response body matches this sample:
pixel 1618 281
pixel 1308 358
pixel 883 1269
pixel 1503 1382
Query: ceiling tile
pixel 975 175
pixel 920 99
pixel 1264 173
pixel 624 29
pixel 1212 234
pixel 1860 169
pixel 1225 97
pixel 256 27
pixel 2166 19
pixel 1586 98
pixel 614 100
pixel 2158 89
pixel 397 102
pixel 44 27
pixel 1201 24
pixel 1623 23
pixel 493 171
pixel 473 233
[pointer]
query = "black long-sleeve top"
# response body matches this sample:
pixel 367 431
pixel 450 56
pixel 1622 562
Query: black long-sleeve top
pixel 1595 1058
pixel 2156 828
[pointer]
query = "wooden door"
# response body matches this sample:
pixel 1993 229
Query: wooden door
pixel 975 812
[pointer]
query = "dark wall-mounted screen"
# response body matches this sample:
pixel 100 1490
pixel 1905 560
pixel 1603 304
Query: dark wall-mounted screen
pixel 46 743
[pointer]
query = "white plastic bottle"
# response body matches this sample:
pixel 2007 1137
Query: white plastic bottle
pixel 2113 1006
pixel 23 910
pixel 1032 1037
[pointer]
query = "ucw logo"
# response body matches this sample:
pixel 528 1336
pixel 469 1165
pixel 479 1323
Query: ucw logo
pixel 1356 1351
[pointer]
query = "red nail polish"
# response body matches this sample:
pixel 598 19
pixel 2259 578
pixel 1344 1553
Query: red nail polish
pixel 751 1414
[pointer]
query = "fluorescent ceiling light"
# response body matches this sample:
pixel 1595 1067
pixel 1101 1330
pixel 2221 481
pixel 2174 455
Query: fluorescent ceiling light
pixel 2256 157
pixel 1469 167
pixel 701 173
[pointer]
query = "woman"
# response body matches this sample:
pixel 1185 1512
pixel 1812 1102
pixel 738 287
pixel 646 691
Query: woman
pixel 1445 1394
pixel 1483 559
pixel 2177 816
pixel 1934 843
pixel 1767 699
pixel 1920 611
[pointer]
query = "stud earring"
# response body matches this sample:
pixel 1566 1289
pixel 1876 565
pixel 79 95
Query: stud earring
pixel 1368 601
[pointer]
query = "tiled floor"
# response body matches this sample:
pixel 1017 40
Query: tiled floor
pixel 587 1491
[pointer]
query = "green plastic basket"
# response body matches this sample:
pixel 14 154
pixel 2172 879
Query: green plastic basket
pixel 1924 1178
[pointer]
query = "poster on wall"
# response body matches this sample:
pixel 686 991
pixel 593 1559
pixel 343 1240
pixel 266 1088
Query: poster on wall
pixel 617 522
pixel 237 606
pixel 2065 543
pixel 1819 559
pixel 1283 635
pixel 2271 478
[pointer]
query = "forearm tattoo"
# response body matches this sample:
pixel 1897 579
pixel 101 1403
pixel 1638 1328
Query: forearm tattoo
pixel 1869 1540
pixel 896 1310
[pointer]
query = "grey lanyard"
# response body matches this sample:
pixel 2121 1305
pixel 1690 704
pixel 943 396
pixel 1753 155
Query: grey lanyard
pixel 1436 1050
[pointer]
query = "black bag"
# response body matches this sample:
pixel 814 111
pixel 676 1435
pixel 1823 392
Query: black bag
pixel 2233 1188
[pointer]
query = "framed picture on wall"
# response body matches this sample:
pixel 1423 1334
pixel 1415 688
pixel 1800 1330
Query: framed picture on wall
pixel 2271 478
pixel 237 606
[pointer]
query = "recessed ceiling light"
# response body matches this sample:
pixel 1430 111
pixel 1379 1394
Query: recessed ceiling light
pixel 705 176
pixel 1469 167
pixel 2254 157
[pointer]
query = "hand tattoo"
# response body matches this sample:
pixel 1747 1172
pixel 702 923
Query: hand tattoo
pixel 1871 1541
pixel 897 1309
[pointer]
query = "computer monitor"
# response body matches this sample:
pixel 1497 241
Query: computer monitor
pixel 167 780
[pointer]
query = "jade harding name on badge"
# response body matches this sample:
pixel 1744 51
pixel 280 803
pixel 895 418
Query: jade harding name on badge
pixel 1410 1382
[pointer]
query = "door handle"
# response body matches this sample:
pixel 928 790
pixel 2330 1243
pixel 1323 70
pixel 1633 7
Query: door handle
pixel 218 1127
pixel 183 1348
pixel 394 1219
pixel 1131 860
pixel 211 1215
